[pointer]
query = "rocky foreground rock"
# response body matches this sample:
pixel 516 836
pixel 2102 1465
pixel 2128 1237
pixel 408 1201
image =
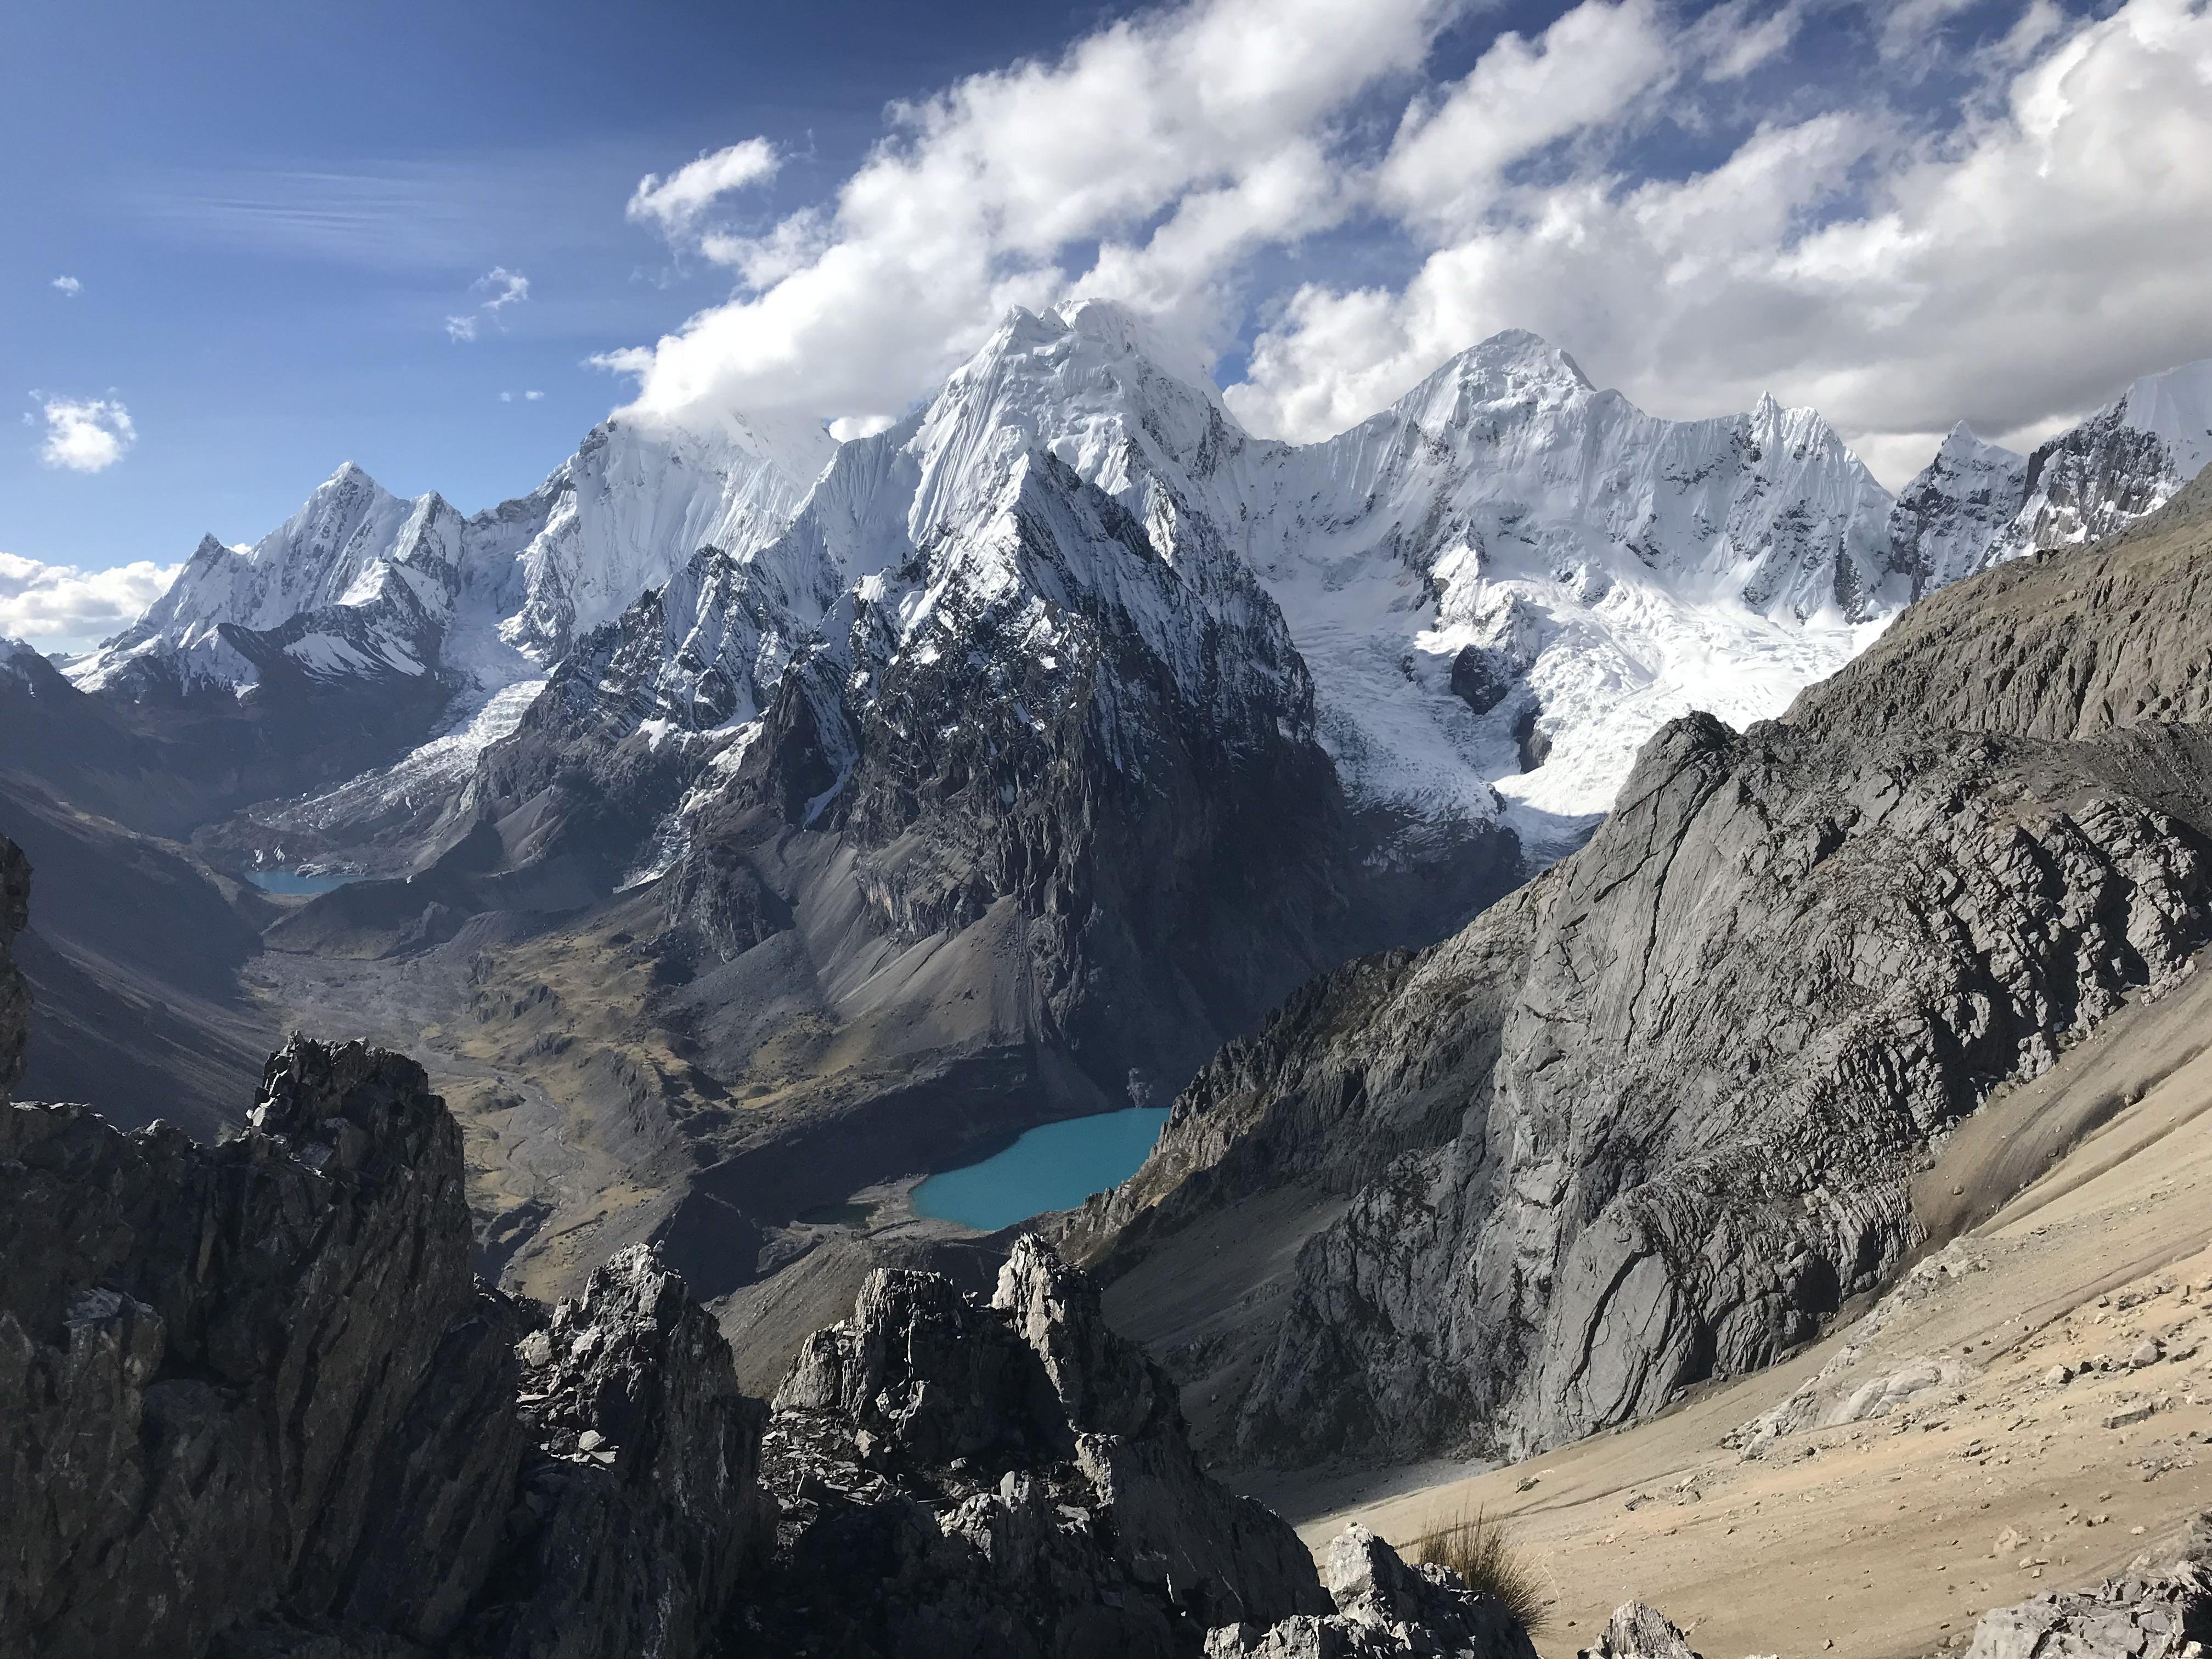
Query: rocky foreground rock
pixel 254 1403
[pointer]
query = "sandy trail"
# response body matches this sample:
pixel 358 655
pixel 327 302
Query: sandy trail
pixel 1981 1485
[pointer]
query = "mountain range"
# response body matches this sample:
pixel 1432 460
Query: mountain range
pixel 796 816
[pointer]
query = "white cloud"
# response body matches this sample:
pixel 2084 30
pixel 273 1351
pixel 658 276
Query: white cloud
pixel 504 286
pixel 58 607
pixel 2014 271
pixel 674 203
pixel 1450 153
pixel 533 396
pixel 1159 151
pixel 507 397
pixel 85 435
pixel 1621 182
pixel 68 285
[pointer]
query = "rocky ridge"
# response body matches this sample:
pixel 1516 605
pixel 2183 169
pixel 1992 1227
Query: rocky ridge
pixel 1661 1110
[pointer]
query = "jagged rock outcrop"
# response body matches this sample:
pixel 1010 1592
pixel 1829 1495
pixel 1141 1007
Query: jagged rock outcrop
pixel 642 1507
pixel 254 1402
pixel 2161 1615
pixel 1637 1632
pixel 1384 1608
pixel 253 1377
pixel 1675 1092
pixel 2126 1618
pixel 1014 1480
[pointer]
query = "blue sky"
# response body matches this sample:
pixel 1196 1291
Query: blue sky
pixel 271 208
pixel 271 217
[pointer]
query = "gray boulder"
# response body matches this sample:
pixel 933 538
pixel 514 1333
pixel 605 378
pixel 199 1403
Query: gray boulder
pixel 1010 1479
pixel 1637 1632
pixel 1384 1608
pixel 2136 1616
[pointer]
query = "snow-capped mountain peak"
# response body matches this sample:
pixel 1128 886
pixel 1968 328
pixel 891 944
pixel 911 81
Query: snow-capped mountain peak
pixel 1106 393
pixel 1976 504
pixel 2175 407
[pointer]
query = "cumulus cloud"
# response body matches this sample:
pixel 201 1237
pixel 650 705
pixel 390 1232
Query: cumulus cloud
pixel 58 607
pixel 83 434
pixel 68 285
pixel 1166 148
pixel 2000 213
pixel 674 205
pixel 2013 271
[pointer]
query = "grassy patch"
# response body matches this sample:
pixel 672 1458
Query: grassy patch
pixel 1480 1550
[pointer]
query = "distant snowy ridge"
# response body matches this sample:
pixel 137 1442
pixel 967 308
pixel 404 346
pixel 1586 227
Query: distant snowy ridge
pixel 1489 595
pixel 361 583
pixel 1498 587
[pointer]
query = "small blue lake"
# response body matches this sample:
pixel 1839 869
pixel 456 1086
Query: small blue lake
pixel 294 883
pixel 1054 1167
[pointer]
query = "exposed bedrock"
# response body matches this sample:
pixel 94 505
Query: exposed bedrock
pixel 1653 1117
pixel 1690 1072
pixel 1008 1479
pixel 253 1401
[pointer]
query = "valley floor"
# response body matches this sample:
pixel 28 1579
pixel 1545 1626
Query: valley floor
pixel 1943 1468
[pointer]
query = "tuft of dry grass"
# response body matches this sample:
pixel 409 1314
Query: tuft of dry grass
pixel 1480 1550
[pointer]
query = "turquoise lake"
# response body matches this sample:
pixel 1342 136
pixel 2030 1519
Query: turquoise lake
pixel 292 882
pixel 1055 1167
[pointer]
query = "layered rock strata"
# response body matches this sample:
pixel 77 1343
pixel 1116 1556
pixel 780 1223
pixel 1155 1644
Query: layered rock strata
pixel 1656 1116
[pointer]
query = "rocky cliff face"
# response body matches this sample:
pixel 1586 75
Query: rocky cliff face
pixel 15 995
pixel 1663 1107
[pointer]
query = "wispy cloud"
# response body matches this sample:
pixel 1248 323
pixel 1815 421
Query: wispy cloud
pixel 501 287
pixel 504 287
pixel 68 285
pixel 674 203
pixel 83 434
pixel 58 607
pixel 527 396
